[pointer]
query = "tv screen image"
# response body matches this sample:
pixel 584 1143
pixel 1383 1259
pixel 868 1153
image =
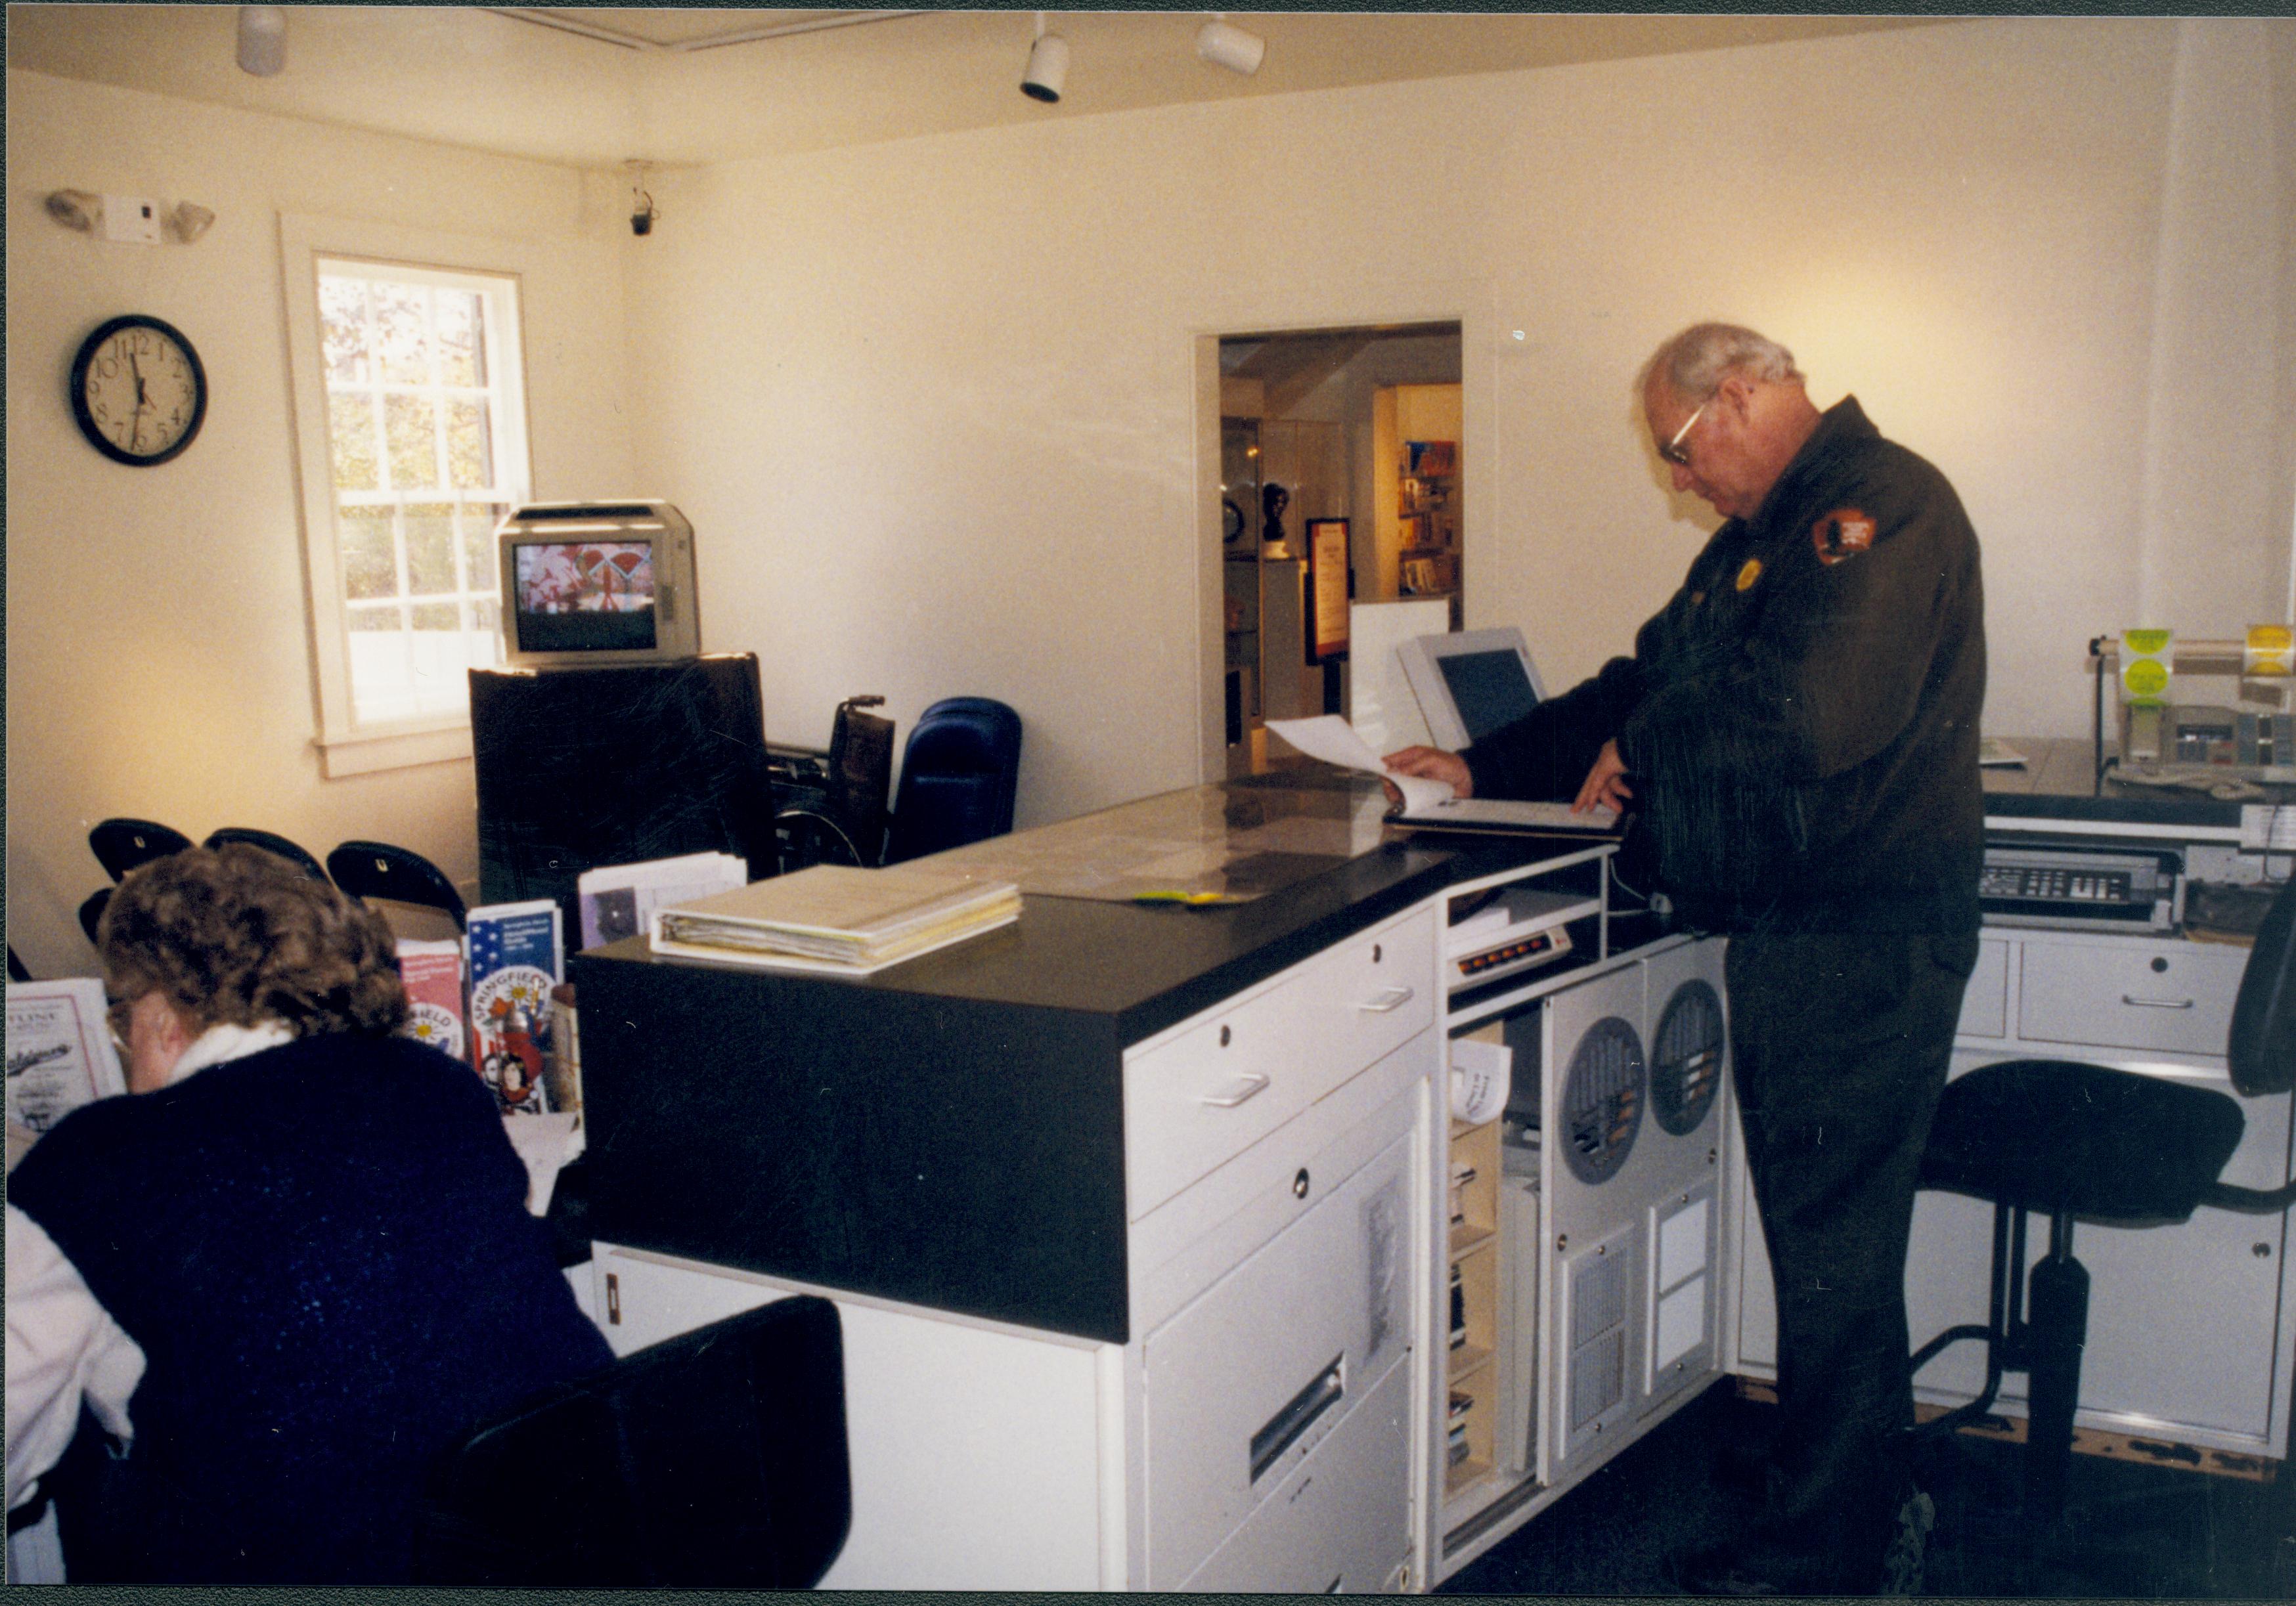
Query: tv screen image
pixel 591 583
pixel 572 595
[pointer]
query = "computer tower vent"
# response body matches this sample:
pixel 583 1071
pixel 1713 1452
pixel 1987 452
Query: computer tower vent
pixel 1686 1059
pixel 1603 1099
pixel 1600 1287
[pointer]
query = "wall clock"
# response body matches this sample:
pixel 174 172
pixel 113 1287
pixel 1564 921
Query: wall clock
pixel 138 390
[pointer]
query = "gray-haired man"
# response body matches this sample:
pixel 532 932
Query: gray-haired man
pixel 1798 730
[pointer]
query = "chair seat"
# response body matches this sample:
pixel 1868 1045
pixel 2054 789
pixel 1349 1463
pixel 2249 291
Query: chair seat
pixel 2058 1136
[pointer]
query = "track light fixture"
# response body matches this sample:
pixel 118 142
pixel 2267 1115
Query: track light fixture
pixel 1225 45
pixel 1048 65
pixel 262 39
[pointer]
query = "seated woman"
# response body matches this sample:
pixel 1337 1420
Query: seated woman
pixel 291 1271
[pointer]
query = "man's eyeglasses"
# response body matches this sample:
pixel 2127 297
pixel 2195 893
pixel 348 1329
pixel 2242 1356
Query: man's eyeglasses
pixel 1673 451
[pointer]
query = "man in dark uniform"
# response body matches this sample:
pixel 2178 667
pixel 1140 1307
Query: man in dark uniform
pixel 1799 727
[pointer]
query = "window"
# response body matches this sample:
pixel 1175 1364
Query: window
pixel 411 422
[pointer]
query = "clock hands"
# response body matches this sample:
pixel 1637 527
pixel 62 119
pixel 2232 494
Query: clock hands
pixel 142 400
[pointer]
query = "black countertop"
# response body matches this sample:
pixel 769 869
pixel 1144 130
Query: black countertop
pixel 949 1131
pixel 2059 781
pixel 1147 967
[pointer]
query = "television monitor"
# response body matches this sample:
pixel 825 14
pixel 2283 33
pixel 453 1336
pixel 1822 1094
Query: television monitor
pixel 597 583
pixel 1471 682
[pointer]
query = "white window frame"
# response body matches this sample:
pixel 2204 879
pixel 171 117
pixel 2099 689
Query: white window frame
pixel 347 745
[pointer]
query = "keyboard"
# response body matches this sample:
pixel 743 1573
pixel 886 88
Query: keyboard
pixel 1505 814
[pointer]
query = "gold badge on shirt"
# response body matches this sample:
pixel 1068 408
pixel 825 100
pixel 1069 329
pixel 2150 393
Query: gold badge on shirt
pixel 1843 533
pixel 1748 572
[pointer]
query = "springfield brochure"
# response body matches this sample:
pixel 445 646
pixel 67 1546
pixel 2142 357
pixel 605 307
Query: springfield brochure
pixel 837 920
pixel 60 1056
pixel 516 956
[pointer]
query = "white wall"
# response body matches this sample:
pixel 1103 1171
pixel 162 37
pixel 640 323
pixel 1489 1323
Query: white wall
pixel 935 405
pixel 931 402
pixel 157 646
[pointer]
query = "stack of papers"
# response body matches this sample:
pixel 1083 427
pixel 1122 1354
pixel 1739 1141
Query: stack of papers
pixel 836 920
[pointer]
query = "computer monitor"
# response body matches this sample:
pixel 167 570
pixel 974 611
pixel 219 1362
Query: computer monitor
pixel 1471 682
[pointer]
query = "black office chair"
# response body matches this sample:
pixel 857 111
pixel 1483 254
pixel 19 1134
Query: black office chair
pixel 119 845
pixel 392 874
pixel 848 825
pixel 91 911
pixel 272 843
pixel 2077 1141
pixel 714 1460
pixel 959 774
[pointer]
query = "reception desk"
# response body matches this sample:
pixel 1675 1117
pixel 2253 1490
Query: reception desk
pixel 1137 1215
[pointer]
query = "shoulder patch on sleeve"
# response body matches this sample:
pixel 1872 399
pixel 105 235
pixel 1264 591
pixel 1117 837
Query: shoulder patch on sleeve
pixel 1843 533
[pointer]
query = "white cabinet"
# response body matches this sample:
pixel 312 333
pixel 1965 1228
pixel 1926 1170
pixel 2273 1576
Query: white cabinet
pixel 1257 1431
pixel 2188 1339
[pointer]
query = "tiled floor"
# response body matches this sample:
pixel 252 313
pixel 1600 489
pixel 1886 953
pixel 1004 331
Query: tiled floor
pixel 2131 1530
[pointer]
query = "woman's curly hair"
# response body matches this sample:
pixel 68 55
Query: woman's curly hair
pixel 233 936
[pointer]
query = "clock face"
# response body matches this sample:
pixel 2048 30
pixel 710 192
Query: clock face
pixel 138 390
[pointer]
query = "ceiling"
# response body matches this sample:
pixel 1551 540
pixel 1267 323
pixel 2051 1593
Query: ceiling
pixel 595 86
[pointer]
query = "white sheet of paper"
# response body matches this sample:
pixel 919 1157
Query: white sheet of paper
pixel 1333 740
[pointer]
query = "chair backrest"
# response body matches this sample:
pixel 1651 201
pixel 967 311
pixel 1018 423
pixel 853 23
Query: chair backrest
pixel 958 777
pixel 271 842
pixel 119 845
pixel 91 911
pixel 714 1460
pixel 400 875
pixel 2262 1048
pixel 861 773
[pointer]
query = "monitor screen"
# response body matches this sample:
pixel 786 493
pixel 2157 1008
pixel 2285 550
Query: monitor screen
pixel 1468 683
pixel 1489 689
pixel 574 596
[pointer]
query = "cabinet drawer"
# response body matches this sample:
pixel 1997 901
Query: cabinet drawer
pixel 2173 997
pixel 1243 1385
pixel 1985 1003
pixel 1235 1075
pixel 1340 1524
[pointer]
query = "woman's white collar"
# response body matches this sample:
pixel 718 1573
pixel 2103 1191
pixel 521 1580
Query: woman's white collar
pixel 219 1045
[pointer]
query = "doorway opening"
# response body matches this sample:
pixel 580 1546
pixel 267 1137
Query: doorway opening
pixel 1331 441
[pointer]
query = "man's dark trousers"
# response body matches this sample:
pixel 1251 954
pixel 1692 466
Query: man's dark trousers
pixel 1841 1044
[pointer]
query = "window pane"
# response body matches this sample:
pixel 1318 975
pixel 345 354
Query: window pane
pixel 402 334
pixel 370 564
pixel 462 338
pixel 350 433
pixel 342 329
pixel 374 619
pixel 469 456
pixel 479 568
pixel 437 616
pixel 486 615
pixel 429 548
pixel 411 421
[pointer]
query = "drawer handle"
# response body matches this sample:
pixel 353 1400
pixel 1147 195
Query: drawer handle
pixel 2156 1003
pixel 1247 1085
pixel 1388 1000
